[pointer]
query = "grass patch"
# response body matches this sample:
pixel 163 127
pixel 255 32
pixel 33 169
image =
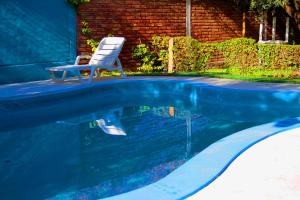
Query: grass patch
pixel 253 75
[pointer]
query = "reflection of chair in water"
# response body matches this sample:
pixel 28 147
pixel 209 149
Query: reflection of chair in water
pixel 110 123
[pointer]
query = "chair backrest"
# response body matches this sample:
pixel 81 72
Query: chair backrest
pixel 107 51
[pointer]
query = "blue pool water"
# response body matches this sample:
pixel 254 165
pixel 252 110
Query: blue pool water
pixel 114 138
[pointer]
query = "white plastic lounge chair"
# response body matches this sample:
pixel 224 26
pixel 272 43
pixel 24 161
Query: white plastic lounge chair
pixel 105 57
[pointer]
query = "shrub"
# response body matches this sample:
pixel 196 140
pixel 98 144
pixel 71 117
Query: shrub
pixel 93 44
pixel 85 30
pixel 190 54
pixel 76 3
pixel 152 58
pixel 279 55
pixel 147 60
pixel 160 47
pixel 241 55
pixel 239 52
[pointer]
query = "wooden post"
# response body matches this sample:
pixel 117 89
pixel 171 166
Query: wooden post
pixel 171 56
pixel 244 24
pixel 188 18
pixel 273 26
pixel 287 29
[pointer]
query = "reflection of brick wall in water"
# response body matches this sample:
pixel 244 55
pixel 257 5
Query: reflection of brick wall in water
pixel 140 20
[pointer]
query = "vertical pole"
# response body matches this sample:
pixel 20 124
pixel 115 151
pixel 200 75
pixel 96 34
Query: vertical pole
pixel 171 56
pixel 265 19
pixel 188 18
pixel 260 28
pixel 287 29
pixel 273 26
pixel 244 24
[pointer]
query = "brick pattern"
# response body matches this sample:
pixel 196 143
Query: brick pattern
pixel 137 20
pixel 140 20
pixel 215 20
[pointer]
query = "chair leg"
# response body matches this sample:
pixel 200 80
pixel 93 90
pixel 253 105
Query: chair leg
pixel 120 68
pixel 77 72
pixel 96 73
pixel 92 74
pixel 64 75
pixel 52 75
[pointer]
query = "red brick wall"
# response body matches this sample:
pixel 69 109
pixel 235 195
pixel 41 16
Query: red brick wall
pixel 215 20
pixel 139 20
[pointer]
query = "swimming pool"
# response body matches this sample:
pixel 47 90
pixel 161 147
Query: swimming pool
pixel 119 136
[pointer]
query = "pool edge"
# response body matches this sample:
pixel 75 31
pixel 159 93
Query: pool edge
pixel 171 187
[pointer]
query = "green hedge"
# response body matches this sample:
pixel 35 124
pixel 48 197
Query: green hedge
pixel 279 56
pixel 246 53
pixel 240 52
pixel 192 55
pixel 189 54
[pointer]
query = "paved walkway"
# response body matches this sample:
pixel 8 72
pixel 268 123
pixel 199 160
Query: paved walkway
pixel 270 170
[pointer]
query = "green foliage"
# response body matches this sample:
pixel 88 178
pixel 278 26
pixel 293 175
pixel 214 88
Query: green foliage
pixel 239 52
pixel 76 3
pixel 277 56
pixel 148 61
pixel 262 5
pixel 152 58
pixel 92 43
pixel 246 54
pixel 160 47
pixel 190 54
pixel 86 30
pixel 241 56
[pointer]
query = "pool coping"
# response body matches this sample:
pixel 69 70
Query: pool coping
pixel 40 88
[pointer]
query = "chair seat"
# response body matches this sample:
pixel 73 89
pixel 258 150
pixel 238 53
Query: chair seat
pixel 69 67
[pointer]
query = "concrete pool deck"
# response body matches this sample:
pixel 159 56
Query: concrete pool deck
pixel 274 165
pixel 270 170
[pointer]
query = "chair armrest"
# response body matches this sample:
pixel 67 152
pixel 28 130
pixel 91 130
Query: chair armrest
pixel 80 57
